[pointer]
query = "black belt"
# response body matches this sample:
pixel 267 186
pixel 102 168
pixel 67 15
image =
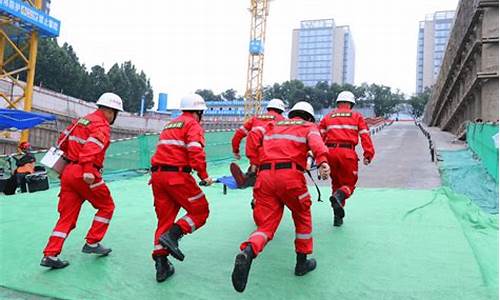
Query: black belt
pixel 340 145
pixel 167 168
pixel 281 165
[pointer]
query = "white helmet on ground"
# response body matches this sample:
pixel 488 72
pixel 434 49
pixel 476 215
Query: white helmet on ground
pixel 346 96
pixel 302 106
pixel 110 100
pixel 276 104
pixel 193 102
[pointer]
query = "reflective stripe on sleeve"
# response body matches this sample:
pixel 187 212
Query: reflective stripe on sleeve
pixel 352 127
pixel 172 142
pixel 303 236
pixel 92 186
pixel 76 139
pixel 190 222
pixel 66 132
pixel 194 144
pixel 101 219
pixel 200 195
pixel 96 141
pixel 159 247
pixel 259 128
pixel 303 195
pixel 364 131
pixel 289 137
pixel 242 128
pixel 59 234
pixel 314 132
pixel 260 233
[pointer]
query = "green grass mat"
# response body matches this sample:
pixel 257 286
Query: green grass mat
pixel 395 244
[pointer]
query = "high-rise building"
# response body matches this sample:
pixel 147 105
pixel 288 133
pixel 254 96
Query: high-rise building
pixel 322 51
pixel 433 34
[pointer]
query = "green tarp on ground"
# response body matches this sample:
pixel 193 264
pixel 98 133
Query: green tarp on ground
pixel 480 138
pixel 395 244
pixel 466 175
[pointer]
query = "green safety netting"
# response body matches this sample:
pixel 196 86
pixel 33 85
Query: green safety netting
pixel 480 138
pixel 466 175
pixel 125 157
pixel 395 244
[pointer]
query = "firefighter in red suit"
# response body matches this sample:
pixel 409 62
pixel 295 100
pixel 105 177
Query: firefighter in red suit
pixel 84 143
pixel 180 150
pixel 341 129
pixel 280 183
pixel 275 108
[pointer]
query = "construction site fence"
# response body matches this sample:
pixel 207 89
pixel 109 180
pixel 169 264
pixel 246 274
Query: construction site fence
pixel 482 139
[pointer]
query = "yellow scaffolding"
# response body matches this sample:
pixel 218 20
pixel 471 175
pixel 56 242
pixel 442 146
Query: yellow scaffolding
pixel 17 57
pixel 253 94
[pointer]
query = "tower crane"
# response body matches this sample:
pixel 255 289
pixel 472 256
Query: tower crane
pixel 253 94
pixel 22 22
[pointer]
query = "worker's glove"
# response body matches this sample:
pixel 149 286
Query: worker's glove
pixel 207 181
pixel 88 178
pixel 237 156
pixel 366 161
pixel 324 171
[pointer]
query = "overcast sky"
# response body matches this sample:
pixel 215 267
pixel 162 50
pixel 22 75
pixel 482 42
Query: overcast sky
pixel 184 45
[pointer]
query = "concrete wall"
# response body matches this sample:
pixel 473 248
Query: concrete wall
pixel 467 86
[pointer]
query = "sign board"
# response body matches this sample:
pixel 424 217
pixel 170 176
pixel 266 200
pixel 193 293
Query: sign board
pixel 31 17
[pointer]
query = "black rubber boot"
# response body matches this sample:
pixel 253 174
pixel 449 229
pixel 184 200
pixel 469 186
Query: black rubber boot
pixel 241 269
pixel 164 268
pixel 99 249
pixel 170 240
pixel 250 179
pixel 53 263
pixel 304 265
pixel 338 211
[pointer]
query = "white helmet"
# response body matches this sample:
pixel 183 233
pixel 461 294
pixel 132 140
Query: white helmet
pixel 110 100
pixel 303 106
pixel 193 102
pixel 276 104
pixel 346 96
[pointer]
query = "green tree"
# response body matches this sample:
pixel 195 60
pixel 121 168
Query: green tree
pixel 419 101
pixel 229 95
pixel 130 85
pixel 384 100
pixel 208 95
pixel 58 68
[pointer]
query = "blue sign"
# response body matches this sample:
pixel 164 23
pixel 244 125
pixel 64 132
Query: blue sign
pixel 256 47
pixel 31 17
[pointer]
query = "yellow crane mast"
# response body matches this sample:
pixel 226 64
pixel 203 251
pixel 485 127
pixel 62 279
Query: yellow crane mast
pixel 253 94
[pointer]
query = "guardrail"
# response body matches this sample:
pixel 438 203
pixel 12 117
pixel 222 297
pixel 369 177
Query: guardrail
pixel 432 148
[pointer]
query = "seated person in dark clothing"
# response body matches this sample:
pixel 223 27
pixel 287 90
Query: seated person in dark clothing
pixel 25 165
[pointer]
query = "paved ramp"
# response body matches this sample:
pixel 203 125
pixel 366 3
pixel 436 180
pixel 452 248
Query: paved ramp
pixel 402 160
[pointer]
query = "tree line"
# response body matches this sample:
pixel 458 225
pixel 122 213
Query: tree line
pixel 383 99
pixel 59 69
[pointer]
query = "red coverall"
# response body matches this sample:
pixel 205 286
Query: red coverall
pixel 284 143
pixel 260 121
pixel 85 147
pixel 181 148
pixel 341 129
